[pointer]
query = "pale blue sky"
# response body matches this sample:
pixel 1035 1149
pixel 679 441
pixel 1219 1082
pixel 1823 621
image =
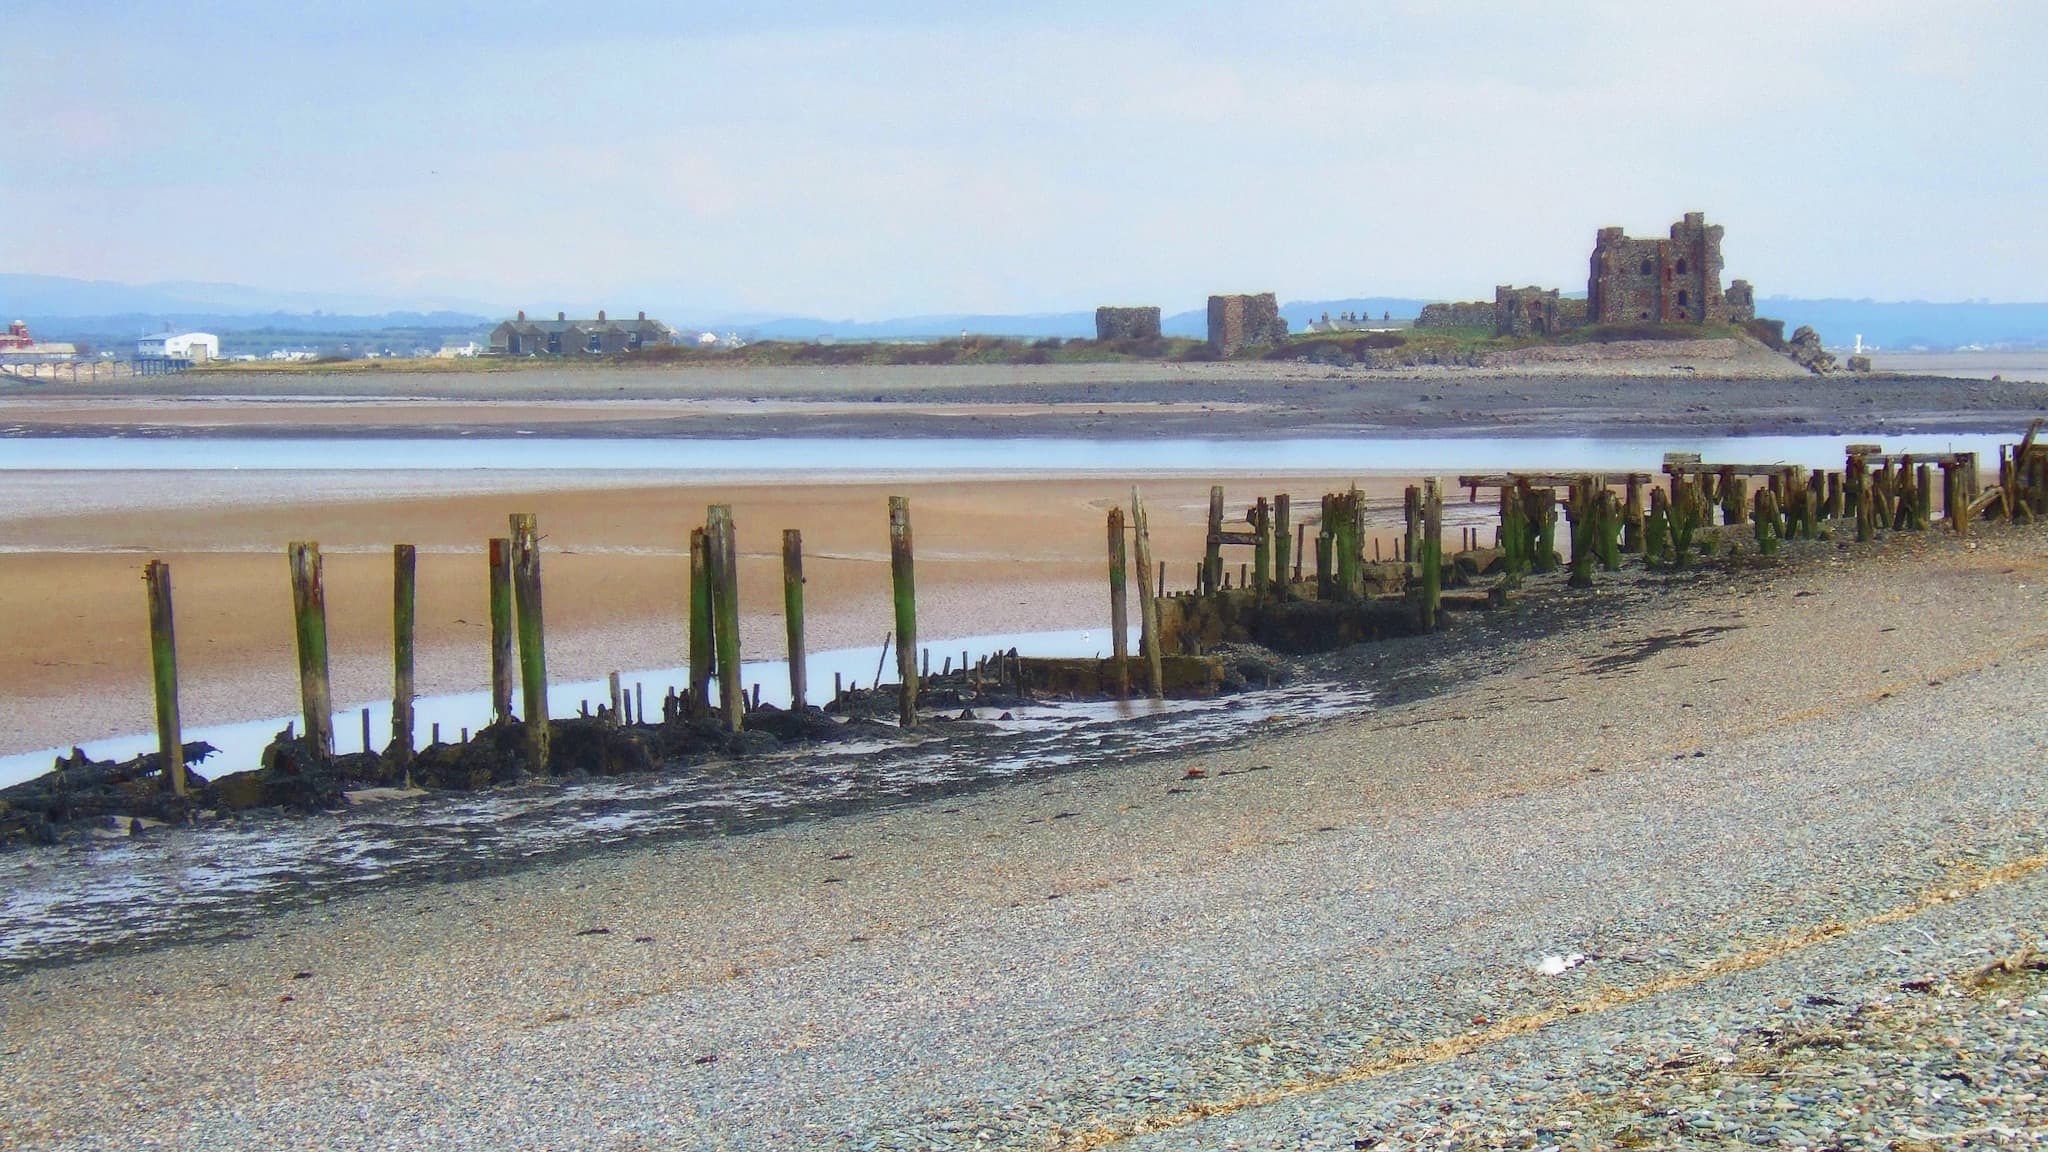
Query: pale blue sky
pixel 872 160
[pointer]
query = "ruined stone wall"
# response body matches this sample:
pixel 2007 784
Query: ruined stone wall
pixel 1741 301
pixel 1245 321
pixel 1127 323
pixel 1525 311
pixel 1466 314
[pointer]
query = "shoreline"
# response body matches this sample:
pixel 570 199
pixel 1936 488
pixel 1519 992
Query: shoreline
pixel 1211 951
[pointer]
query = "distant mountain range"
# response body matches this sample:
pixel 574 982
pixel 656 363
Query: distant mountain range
pixel 106 312
pixel 63 297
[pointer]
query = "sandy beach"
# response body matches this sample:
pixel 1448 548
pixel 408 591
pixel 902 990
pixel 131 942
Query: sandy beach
pixel 995 556
pixel 1696 797
pixel 1801 798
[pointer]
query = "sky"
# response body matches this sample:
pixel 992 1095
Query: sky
pixel 860 161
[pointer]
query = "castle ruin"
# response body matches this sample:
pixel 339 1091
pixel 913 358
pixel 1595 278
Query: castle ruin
pixel 1245 321
pixel 1633 281
pixel 1127 323
pixel 1671 281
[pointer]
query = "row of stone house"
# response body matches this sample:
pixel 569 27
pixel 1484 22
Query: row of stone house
pixel 565 337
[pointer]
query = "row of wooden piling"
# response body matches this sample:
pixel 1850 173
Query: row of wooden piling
pixel 518 636
pixel 1884 492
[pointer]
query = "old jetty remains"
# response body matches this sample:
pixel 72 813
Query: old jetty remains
pixel 1291 593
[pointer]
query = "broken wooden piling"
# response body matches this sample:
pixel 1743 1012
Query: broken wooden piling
pixel 1432 551
pixel 1212 555
pixel 163 660
pixel 1261 581
pixel 793 614
pixel 903 582
pixel 404 613
pixel 1283 543
pixel 702 651
pixel 722 541
pixel 501 629
pixel 309 616
pixel 533 661
pixel 1148 604
pixel 1119 623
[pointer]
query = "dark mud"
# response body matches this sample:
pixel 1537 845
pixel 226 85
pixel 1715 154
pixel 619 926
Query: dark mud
pixel 1340 403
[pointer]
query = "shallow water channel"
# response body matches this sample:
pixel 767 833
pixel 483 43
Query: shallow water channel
pixel 62 904
pixel 812 458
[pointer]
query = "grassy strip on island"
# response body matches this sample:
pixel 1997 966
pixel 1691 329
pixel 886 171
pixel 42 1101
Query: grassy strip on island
pixel 1388 349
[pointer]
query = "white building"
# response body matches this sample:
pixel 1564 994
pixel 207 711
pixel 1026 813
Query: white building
pixel 195 347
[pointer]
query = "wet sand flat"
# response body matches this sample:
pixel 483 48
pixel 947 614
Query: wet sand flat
pixel 1656 391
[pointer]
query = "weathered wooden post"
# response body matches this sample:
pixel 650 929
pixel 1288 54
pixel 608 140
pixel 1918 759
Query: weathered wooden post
pixel 1609 538
pixel 1732 508
pixel 501 629
pixel 533 659
pixel 1514 537
pixel 1766 522
pixel 1833 500
pixel 1632 517
pixel 903 580
pixel 1923 497
pixel 1283 544
pixel 1119 621
pixel 1262 550
pixel 617 692
pixel 1148 605
pixel 1686 511
pixel 1212 556
pixel 1326 535
pixel 1578 510
pixel 1350 544
pixel 1411 516
pixel 703 658
pixel 1546 529
pixel 163 661
pixel 723 555
pixel 404 612
pixel 1657 529
pixel 793 613
pixel 309 612
pixel 1432 551
pixel 1866 510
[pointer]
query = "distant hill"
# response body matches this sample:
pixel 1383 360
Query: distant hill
pixel 1901 325
pixel 59 296
pixel 105 313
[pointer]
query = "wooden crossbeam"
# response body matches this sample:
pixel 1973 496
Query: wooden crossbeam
pixel 1696 468
pixel 1550 479
pixel 1943 459
pixel 1234 538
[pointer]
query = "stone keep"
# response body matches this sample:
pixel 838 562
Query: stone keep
pixel 1127 323
pixel 1245 321
pixel 1672 281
